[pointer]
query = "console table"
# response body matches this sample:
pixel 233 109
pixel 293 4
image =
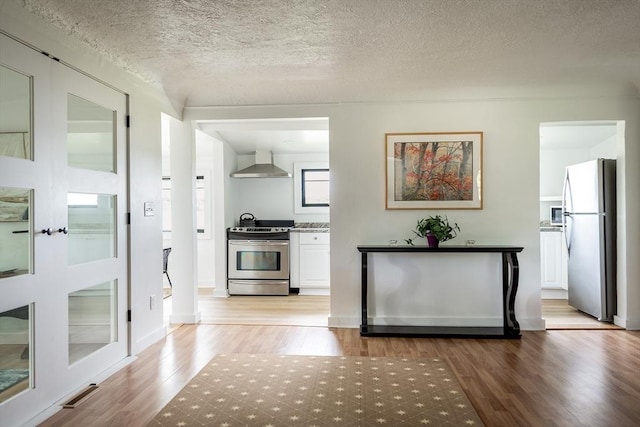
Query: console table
pixel 510 271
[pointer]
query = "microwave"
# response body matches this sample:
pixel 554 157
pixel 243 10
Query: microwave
pixel 555 215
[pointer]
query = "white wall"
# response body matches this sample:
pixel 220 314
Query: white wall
pixel 605 150
pixel 231 187
pixel 145 180
pixel 205 163
pixel 511 187
pixel 272 198
pixel 552 166
pixel 553 162
pixel 510 198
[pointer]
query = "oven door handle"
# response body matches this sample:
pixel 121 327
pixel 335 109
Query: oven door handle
pixel 258 242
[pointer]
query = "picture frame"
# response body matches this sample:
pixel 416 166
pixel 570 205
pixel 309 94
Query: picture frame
pixel 434 170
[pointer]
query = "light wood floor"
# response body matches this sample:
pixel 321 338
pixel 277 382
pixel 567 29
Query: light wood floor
pixel 548 378
pixel 559 315
pixel 292 310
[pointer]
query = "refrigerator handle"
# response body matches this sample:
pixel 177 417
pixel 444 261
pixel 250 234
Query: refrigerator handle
pixel 566 193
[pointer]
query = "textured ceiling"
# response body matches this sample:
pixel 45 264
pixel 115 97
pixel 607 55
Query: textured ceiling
pixel 229 52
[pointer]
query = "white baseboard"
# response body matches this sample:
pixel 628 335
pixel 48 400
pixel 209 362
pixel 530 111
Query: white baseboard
pixel 633 325
pixel 436 321
pixel 344 322
pixel 554 294
pixel 188 318
pixel 628 324
pixel 220 292
pixel 216 291
pixel 148 340
pixel 533 324
pixel 314 291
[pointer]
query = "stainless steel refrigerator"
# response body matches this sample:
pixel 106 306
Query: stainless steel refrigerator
pixel 589 215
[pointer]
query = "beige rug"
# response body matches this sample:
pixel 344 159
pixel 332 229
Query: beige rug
pixel 275 390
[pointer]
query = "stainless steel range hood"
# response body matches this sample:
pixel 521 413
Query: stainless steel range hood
pixel 263 168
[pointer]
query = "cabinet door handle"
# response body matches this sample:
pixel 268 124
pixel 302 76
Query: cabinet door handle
pixel 63 230
pixel 46 231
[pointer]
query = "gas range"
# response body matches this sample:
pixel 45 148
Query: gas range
pixel 259 229
pixel 263 230
pixel 258 258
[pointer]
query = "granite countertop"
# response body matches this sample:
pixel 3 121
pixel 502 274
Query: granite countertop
pixel 551 229
pixel 546 227
pixel 311 227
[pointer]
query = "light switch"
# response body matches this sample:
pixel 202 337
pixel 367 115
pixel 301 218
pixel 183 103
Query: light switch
pixel 148 209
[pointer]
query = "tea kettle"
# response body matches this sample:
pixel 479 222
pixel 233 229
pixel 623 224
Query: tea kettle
pixel 247 220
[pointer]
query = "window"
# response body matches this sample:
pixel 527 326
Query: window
pixel 315 187
pixel 202 210
pixel 311 183
pixel 166 205
pixel 200 204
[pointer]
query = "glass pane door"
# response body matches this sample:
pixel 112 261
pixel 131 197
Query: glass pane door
pixel 91 227
pixel 91 140
pixel 15 114
pixel 15 231
pixel 91 320
pixel 26 259
pixel 93 218
pixel 63 231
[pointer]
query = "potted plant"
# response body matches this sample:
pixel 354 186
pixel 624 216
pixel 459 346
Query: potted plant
pixel 436 229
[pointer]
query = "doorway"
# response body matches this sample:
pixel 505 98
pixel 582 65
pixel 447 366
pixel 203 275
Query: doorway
pixel 224 146
pixel 563 144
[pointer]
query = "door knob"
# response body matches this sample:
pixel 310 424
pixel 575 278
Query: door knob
pixel 64 230
pixel 46 231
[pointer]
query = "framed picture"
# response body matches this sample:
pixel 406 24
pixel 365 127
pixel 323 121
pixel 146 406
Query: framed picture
pixel 434 170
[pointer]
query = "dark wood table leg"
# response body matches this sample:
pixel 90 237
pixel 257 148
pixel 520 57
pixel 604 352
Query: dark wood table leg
pixel 363 325
pixel 510 277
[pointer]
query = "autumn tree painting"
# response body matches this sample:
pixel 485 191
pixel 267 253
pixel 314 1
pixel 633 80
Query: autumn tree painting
pixel 435 170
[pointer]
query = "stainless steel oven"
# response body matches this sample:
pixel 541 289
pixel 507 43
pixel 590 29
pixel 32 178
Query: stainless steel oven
pixel 258 260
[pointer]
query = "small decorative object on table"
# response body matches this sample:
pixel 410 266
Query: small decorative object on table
pixel 436 229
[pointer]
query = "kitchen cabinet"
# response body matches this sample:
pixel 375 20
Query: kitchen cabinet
pixel 310 263
pixel 553 260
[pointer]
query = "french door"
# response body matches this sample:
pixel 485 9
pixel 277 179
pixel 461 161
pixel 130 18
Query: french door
pixel 63 230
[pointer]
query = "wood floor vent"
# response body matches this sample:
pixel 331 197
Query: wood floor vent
pixel 80 397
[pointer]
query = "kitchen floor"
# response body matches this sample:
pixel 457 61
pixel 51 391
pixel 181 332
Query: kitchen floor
pixel 559 315
pixel 292 310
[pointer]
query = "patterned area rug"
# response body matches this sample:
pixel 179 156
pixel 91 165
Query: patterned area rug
pixel 274 390
pixel 10 377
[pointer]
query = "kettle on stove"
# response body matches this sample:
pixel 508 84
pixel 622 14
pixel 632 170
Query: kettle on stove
pixel 247 220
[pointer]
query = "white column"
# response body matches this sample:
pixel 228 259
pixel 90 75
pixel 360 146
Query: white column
pixel 184 265
pixel 219 230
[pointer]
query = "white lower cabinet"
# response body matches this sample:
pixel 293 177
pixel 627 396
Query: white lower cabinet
pixel 553 260
pixel 310 269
